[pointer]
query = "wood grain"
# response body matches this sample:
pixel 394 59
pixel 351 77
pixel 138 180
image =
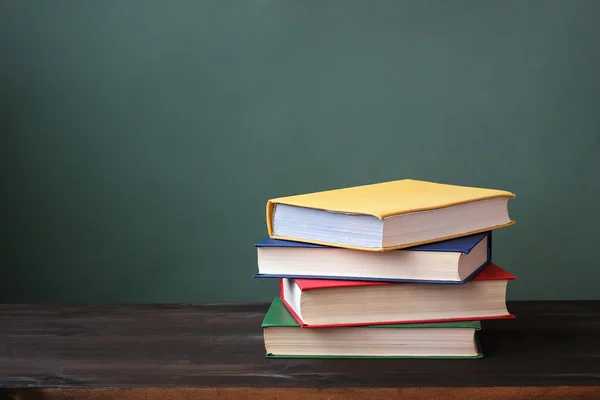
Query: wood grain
pixel 489 393
pixel 550 344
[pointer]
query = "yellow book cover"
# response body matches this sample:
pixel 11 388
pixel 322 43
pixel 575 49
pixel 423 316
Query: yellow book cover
pixel 386 201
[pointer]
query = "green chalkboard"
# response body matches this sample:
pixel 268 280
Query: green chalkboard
pixel 140 140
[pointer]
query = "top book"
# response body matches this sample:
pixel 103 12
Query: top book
pixel 387 216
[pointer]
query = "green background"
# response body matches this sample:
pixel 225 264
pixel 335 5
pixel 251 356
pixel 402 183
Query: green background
pixel 140 140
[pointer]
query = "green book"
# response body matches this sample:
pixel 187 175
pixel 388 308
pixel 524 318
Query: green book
pixel 285 338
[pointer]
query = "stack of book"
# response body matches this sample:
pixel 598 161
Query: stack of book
pixel 394 269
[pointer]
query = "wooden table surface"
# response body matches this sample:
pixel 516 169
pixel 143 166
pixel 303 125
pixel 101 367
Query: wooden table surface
pixel 552 349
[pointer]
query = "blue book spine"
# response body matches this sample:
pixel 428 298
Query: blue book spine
pixel 458 245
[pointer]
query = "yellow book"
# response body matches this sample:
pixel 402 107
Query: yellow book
pixel 388 215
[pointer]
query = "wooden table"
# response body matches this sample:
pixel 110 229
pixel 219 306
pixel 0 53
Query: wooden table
pixel 552 350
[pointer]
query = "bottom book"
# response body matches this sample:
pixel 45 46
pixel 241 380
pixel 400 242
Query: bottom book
pixel 285 338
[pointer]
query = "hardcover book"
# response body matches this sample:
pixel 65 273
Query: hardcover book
pixel 454 261
pixel 284 338
pixel 318 303
pixel 387 216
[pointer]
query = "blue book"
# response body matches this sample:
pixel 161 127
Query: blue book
pixel 454 261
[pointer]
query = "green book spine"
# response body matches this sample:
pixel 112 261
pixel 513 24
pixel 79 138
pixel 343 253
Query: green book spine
pixel 279 316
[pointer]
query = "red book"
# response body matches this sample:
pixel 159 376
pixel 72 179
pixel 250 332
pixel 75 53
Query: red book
pixel 316 303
